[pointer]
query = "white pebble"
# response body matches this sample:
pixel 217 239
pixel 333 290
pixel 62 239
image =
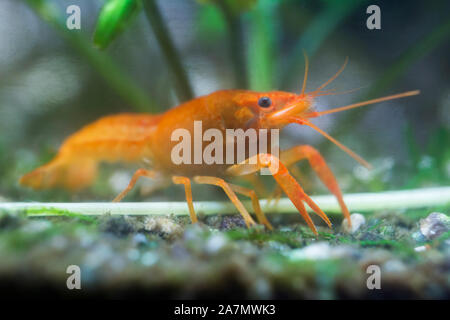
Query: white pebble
pixel 215 243
pixel 164 225
pixel 357 219
pixel 320 251
pixel 420 249
pixel 434 225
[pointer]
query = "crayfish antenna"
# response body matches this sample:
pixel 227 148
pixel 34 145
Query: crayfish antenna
pixel 333 77
pixel 337 143
pixel 333 92
pixel 305 77
pixel 364 103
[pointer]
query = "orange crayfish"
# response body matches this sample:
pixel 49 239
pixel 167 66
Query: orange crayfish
pixel 133 138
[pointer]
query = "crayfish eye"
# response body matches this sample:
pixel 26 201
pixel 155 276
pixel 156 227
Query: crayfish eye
pixel 264 102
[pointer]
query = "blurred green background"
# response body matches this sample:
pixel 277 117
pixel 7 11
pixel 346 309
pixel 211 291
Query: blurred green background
pixel 131 57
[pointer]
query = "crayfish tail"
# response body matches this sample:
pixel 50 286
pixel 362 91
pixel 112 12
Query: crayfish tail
pixel 71 175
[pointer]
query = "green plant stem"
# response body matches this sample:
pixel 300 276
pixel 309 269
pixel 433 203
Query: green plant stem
pixel 122 84
pixel 262 45
pixel 358 202
pixel 183 87
pixel 236 45
pixel 315 34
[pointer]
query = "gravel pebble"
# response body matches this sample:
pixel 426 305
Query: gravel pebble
pixel 320 251
pixel 434 225
pixel 166 226
pixel 215 243
pixel 358 221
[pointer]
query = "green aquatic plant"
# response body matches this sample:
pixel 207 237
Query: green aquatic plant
pixel 173 59
pixel 263 49
pixel 111 73
pixel 116 15
pixel 57 212
pixel 113 19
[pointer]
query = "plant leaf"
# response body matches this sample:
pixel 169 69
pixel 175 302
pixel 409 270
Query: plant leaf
pixel 114 17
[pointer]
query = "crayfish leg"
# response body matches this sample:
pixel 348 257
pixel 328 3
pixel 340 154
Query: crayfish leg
pixel 320 167
pixel 278 192
pixel 256 183
pixel 287 183
pixel 255 203
pixel 230 193
pixel 188 192
pixel 139 173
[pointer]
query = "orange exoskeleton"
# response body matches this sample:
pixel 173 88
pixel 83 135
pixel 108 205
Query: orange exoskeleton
pixel 133 138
